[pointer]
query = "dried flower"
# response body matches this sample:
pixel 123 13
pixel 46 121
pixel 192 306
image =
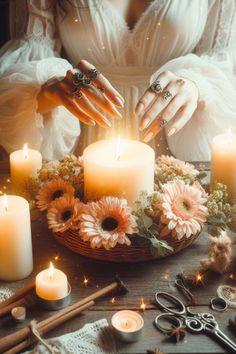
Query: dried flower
pixel 219 253
pixel 51 191
pixel 177 333
pixel 63 213
pixel 106 222
pixel 184 167
pixel 184 213
pixel 154 351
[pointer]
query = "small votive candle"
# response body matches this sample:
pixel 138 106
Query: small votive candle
pixel 51 284
pixel 128 325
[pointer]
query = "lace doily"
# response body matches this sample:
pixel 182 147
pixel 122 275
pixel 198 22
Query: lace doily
pixel 93 338
pixel 5 293
pixel 228 293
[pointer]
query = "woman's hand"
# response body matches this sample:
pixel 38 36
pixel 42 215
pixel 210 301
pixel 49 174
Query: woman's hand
pixel 82 96
pixel 170 100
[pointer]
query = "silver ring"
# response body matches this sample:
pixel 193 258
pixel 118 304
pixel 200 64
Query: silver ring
pixel 76 92
pixel 78 77
pixel 167 94
pixel 163 122
pixel 92 74
pixel 156 86
pixel 218 304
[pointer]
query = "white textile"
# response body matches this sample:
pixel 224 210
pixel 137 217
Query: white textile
pixel 195 39
pixel 93 338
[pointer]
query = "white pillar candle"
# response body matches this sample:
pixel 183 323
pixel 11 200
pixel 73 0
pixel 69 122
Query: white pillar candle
pixel 51 284
pixel 24 164
pixel 121 168
pixel 16 260
pixel 128 325
pixel 223 162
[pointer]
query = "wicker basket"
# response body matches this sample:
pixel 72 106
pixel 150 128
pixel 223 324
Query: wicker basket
pixel 120 253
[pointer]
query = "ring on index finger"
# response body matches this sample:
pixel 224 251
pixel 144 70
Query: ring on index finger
pixel 80 81
pixel 93 73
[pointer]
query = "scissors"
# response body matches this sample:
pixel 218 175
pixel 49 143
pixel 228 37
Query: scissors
pixel 194 322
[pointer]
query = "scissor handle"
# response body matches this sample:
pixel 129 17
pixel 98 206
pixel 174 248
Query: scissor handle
pixel 173 300
pixel 168 317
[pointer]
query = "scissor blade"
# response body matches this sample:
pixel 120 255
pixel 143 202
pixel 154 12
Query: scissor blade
pixel 224 339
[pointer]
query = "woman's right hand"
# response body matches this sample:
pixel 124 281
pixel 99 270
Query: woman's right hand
pixel 99 93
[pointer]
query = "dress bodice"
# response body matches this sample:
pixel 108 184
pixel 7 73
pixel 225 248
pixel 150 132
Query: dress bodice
pixel 96 31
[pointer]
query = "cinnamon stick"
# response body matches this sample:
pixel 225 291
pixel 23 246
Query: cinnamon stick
pixel 18 336
pixel 25 301
pixel 18 295
pixel 47 328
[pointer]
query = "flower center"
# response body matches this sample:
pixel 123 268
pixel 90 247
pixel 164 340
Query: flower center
pixel 183 207
pixel 57 194
pixel 66 215
pixel 109 224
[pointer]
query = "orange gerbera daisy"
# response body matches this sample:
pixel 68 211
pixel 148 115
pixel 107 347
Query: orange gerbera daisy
pixel 107 222
pixel 51 191
pixel 63 213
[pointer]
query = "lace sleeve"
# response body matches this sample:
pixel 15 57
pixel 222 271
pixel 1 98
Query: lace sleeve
pixel 220 29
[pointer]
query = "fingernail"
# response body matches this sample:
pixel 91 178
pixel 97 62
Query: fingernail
pixel 92 123
pixel 118 114
pixel 145 123
pixel 119 101
pixel 148 137
pixel 139 109
pixel 171 131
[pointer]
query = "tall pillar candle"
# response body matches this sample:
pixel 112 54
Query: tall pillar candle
pixel 24 164
pixel 16 260
pixel 121 168
pixel 223 162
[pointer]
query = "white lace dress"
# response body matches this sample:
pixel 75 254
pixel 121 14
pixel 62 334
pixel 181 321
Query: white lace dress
pixel 195 39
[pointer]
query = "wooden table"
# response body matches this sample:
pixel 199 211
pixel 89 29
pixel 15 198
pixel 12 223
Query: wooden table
pixel 142 279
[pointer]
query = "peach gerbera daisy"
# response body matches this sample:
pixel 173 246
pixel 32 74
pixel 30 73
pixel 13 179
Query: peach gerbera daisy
pixel 183 209
pixel 63 213
pixel 51 191
pixel 107 222
pixel 184 167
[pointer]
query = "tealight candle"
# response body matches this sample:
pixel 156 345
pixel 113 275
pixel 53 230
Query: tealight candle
pixel 51 284
pixel 16 260
pixel 128 325
pixel 24 164
pixel 121 168
pixel 223 162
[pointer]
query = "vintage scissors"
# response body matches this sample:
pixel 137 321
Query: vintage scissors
pixel 194 322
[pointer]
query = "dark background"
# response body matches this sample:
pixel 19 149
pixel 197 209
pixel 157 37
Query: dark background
pixel 4 22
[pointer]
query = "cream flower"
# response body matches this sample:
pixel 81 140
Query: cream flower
pixel 184 167
pixel 183 209
pixel 107 222
pixel 52 190
pixel 63 213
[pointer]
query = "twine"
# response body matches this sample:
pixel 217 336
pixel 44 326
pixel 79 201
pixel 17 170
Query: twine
pixel 33 327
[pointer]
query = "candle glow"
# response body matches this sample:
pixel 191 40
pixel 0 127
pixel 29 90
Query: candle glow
pixel 119 148
pixel 143 306
pixel 229 137
pixel 51 271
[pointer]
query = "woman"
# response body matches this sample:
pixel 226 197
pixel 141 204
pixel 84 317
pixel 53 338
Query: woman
pixel 144 49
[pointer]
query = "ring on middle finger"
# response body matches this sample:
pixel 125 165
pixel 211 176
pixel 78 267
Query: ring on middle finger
pixel 163 122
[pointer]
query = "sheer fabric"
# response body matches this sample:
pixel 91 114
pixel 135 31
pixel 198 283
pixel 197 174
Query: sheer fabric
pixel 194 39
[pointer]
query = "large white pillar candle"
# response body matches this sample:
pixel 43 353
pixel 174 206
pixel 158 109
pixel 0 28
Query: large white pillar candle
pixel 24 164
pixel 51 284
pixel 121 168
pixel 16 260
pixel 223 162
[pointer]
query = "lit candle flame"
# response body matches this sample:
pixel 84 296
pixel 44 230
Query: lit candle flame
pixel 125 324
pixel 119 148
pixel 199 278
pixel 5 202
pixel 25 151
pixel 51 270
pixel 85 281
pixel 143 305
pixel 113 300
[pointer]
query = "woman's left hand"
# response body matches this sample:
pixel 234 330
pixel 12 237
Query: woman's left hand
pixel 169 100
